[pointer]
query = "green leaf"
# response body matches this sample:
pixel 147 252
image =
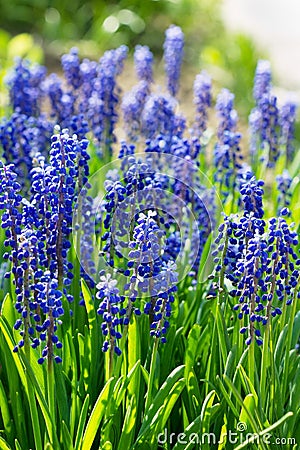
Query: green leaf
pixel 230 363
pixel 127 433
pixel 19 406
pixel 122 391
pixel 227 398
pixel 239 400
pixel 63 403
pixel 280 346
pixel 161 415
pixel 8 310
pixel 193 393
pixel 5 414
pixel 158 401
pixel 145 374
pixel 17 445
pixel 169 403
pixel 167 354
pixel 247 384
pixel 97 415
pixel 4 40
pixel 294 402
pixel 205 263
pixel 11 344
pixel 69 347
pixel 192 348
pixel 192 428
pixel 222 333
pixel 84 359
pixel 42 402
pixel 249 405
pixel 81 423
pixel 253 438
pixel 134 355
pixel 296 330
pixel 4 445
pixel 94 337
pixel 206 411
pixel 295 167
pixel 66 437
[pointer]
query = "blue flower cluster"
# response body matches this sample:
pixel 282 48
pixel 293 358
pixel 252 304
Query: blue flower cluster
pixel 143 61
pixel 86 101
pixel 146 272
pixel 38 232
pixel 132 107
pixel 110 308
pixel 158 116
pixel 287 119
pixel 173 54
pixel 158 210
pixel 271 127
pixel 102 113
pixel 284 184
pixel 25 87
pixel 259 258
pixel 27 131
pixel 202 101
pixel 227 154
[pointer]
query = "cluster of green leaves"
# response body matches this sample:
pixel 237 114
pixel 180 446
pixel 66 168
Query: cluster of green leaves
pixel 197 383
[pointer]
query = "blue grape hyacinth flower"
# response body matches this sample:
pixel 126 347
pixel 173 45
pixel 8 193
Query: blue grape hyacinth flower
pixel 173 54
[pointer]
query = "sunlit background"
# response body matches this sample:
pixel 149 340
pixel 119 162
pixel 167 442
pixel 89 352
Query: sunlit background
pixel 225 37
pixel 274 25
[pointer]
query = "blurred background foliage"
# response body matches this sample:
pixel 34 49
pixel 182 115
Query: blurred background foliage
pixel 43 30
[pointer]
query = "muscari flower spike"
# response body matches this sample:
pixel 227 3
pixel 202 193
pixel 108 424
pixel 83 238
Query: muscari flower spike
pixel 160 305
pixel 202 101
pixel 25 87
pixel 102 113
pixel 287 119
pixel 264 118
pixel 227 154
pixel 132 107
pixel 173 54
pixel 143 61
pixel 259 259
pixel 112 312
pixel 284 184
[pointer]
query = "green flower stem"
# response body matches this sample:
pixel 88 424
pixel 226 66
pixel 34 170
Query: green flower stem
pixel 289 341
pixel 51 395
pixel 151 375
pixel 217 330
pixel 50 378
pixel 219 314
pixel 77 257
pixel 264 366
pixel 251 362
pixel 273 402
pixel 32 402
pixel 283 316
pixel 31 395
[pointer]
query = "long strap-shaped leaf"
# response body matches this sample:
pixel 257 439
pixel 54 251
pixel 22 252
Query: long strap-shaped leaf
pixel 3 444
pixel 254 438
pixel 96 416
pixel 39 395
pixel 81 422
